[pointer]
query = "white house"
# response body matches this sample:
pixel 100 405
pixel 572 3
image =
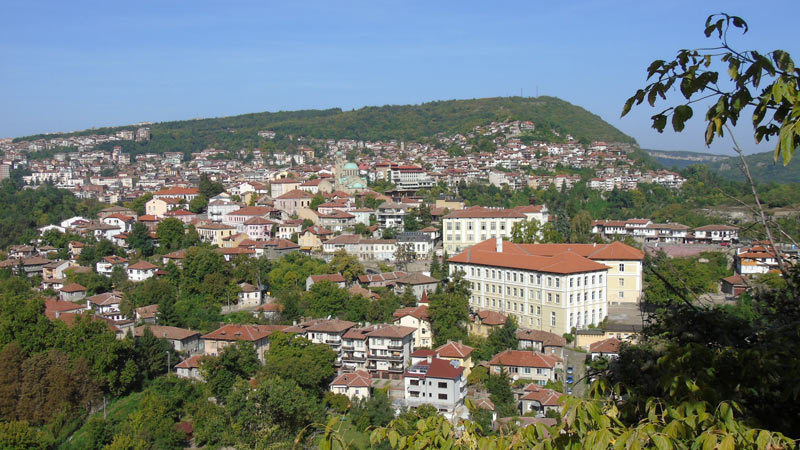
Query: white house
pixel 436 382
pixel 353 385
pixel 141 271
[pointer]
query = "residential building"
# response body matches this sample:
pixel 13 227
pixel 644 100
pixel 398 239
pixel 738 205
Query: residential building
pixel 525 365
pixel 416 317
pixel 190 368
pixel 355 385
pixel 249 295
pixel 182 340
pixel 389 350
pixel 458 352
pixel 539 400
pixel 258 335
pixel 215 233
pixel 541 341
pixel 418 283
pixel 141 271
pixel 313 237
pixel 608 348
pixel 293 200
pixel 72 292
pixel 438 382
pixel 482 322
pixel 106 265
pixel 335 278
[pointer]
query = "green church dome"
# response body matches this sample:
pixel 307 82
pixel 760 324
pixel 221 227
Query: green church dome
pixel 350 166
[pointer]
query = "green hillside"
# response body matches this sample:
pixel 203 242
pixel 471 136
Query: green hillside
pixel 762 165
pixel 405 122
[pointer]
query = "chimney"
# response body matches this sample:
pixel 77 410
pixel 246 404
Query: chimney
pixel 499 244
pixel 430 359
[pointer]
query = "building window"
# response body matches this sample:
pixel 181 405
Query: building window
pixel 538 310
pixel 586 280
pixel 621 282
pixel 442 396
pixel 558 282
pixel 549 281
pixel 553 319
pixel 593 295
pixel 593 279
pixel 621 294
pixel 549 297
pixel 600 279
pixel 570 298
pixel 539 279
pixel 442 385
pixel 579 281
pixel 622 267
pixel 558 298
pixel 531 278
pixel 571 280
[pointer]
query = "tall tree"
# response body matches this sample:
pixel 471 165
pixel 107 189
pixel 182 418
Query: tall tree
pixel 209 188
pixel 580 228
pixel 139 239
pixel 449 311
pixel 310 365
pixel 346 264
pixel 170 233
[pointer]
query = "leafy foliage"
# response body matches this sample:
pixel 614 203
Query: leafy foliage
pixel 746 70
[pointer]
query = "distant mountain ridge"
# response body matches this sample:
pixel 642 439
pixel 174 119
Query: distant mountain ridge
pixel 763 167
pixel 401 122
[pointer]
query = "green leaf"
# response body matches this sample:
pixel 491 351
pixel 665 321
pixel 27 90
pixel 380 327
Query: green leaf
pixel 727 443
pixel 393 435
pixel 681 114
pixel 659 122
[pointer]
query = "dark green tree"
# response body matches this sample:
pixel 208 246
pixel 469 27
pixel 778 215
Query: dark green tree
pixel 139 239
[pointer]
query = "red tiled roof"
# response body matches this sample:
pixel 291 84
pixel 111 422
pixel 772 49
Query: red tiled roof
pixel 522 358
pixel 561 260
pixel 177 191
pixel 392 331
pixel 236 332
pixel 160 331
pixel 73 287
pixel 357 379
pixel 420 312
pixel 491 317
pixel 192 362
pixel 142 265
pixel 547 397
pixel 437 368
pixel 610 345
pixel 295 194
pixel 547 339
pixel 454 350
pixel 332 277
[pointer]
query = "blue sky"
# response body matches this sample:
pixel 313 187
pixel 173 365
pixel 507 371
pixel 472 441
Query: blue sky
pixel 73 65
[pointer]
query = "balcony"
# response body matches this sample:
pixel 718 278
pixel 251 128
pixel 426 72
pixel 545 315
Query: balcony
pixel 351 358
pixel 395 347
pixel 333 341
pixel 386 357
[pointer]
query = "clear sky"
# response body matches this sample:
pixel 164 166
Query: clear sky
pixel 67 65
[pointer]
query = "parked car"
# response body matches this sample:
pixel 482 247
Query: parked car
pixel 569 391
pixel 569 369
pixel 569 379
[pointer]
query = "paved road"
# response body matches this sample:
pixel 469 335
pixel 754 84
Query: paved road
pixel 578 362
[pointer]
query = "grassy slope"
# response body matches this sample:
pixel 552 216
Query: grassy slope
pixel 406 122
pixel 117 410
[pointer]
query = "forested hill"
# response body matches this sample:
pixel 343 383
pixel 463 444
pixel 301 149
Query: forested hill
pixel 406 122
pixel 762 165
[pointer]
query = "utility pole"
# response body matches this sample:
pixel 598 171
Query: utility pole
pixel 169 368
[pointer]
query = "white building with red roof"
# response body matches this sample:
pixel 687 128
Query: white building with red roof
pixel 525 365
pixel 352 384
pixel 466 227
pixel 608 348
pixel 258 335
pixel 141 271
pixel 436 382
pixel 539 400
pixel 550 287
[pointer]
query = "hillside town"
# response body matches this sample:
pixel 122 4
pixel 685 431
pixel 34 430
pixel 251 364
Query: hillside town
pixel 94 166
pixel 566 304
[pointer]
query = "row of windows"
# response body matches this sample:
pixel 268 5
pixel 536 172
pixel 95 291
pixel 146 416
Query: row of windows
pixel 537 295
pixel 492 226
pixel 536 279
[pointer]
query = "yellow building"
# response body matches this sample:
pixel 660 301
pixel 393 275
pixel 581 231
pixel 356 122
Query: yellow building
pixel 215 233
pixel 313 237
pixel 466 227
pixel 456 351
